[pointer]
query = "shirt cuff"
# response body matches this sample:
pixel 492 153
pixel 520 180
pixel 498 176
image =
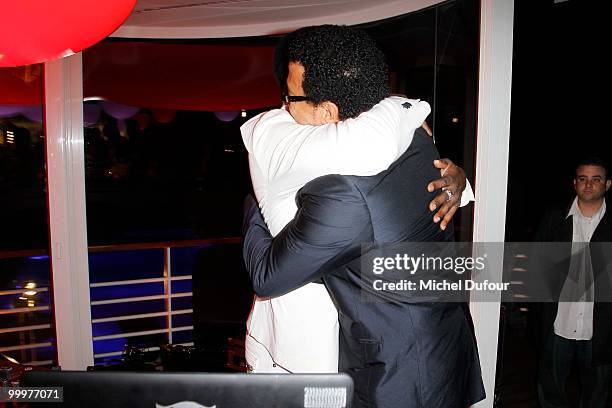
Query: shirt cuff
pixel 467 195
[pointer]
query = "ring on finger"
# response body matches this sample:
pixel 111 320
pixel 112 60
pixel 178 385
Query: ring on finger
pixel 449 195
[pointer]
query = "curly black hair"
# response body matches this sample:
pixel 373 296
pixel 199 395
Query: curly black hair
pixel 341 64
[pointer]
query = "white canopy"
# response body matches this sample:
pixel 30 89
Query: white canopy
pixel 166 19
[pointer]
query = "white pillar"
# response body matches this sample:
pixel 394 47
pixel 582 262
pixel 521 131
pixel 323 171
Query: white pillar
pixel 493 137
pixel 67 216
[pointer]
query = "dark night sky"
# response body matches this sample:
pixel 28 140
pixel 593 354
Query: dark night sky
pixel 554 122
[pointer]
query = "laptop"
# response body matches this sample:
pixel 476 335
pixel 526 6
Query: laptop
pixel 105 389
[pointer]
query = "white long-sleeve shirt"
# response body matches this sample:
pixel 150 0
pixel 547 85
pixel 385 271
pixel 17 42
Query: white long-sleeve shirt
pixel 574 319
pixel 299 329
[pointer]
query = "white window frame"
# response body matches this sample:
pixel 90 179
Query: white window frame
pixel 67 216
pixel 492 148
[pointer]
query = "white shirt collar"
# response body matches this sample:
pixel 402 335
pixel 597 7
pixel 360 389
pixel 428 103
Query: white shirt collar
pixel 575 210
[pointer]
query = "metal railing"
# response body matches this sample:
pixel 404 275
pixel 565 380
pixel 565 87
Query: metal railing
pixel 167 279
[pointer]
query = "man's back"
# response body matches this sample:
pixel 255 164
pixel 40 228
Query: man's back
pixel 399 354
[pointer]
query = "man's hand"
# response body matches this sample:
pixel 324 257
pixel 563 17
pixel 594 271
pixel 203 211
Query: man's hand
pixel 452 184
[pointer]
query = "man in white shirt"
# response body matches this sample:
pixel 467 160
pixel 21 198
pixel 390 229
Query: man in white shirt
pixel 580 326
pixel 298 332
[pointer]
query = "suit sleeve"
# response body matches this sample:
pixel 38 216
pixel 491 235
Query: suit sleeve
pixel 326 232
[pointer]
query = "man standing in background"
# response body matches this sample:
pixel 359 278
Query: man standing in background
pixel 577 328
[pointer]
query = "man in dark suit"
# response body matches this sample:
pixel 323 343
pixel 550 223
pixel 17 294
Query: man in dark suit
pixel 578 327
pixel 399 353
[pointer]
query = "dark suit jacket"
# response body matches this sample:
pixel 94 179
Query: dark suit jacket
pixel 398 354
pixel 557 227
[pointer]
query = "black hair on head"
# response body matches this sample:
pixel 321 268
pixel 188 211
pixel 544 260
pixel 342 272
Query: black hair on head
pixel 594 161
pixel 341 64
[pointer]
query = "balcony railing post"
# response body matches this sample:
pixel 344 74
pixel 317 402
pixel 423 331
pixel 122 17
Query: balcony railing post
pixel 168 291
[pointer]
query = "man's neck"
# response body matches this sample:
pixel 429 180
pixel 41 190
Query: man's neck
pixel 589 208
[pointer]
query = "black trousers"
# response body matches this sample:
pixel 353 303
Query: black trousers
pixel 554 368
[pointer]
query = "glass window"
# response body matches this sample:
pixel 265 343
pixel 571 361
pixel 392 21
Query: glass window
pixel 433 56
pixel 551 121
pixel 27 333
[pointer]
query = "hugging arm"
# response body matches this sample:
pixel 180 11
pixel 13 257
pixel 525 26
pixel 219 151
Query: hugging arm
pixel 326 232
pixel 453 180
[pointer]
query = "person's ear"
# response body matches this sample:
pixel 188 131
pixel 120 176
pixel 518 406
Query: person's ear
pixel 331 112
pixel 608 183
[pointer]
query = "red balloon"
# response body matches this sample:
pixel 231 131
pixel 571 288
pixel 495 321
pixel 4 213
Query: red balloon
pixel 35 31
